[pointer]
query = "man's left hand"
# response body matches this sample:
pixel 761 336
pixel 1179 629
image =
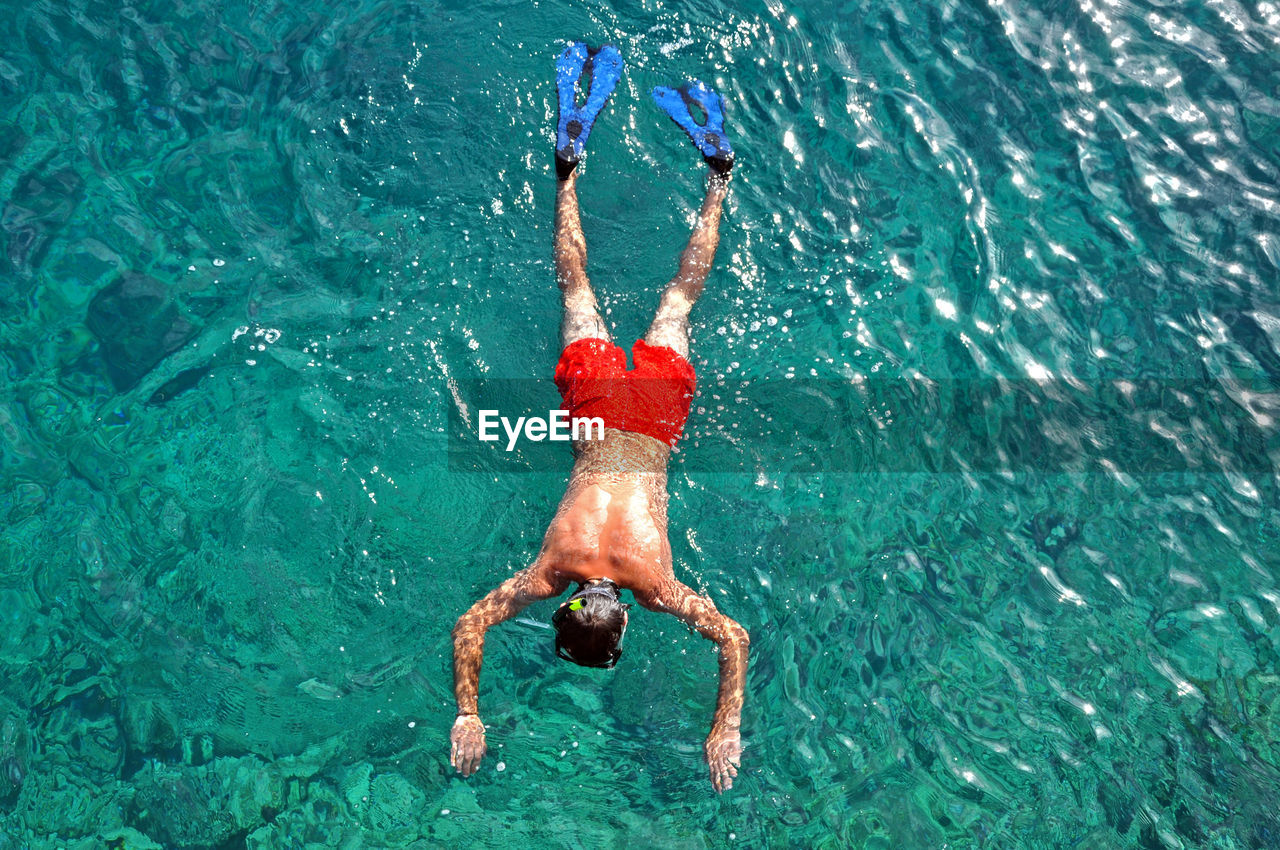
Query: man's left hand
pixel 724 752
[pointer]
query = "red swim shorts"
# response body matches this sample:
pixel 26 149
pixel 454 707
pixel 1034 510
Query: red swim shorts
pixel 652 399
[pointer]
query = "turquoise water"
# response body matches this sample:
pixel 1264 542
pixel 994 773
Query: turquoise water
pixel 984 455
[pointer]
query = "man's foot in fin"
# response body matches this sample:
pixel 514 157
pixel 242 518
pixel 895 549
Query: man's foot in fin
pixel 596 72
pixel 708 136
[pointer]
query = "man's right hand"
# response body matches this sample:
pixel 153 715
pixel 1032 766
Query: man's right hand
pixel 468 744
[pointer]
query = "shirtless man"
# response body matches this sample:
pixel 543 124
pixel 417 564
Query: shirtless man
pixel 610 530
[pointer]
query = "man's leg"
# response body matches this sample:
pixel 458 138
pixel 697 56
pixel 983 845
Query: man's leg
pixel 581 319
pixel 670 325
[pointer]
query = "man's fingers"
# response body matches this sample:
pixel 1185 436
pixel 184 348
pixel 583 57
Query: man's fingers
pixel 722 773
pixel 723 757
pixel 473 759
pixel 465 755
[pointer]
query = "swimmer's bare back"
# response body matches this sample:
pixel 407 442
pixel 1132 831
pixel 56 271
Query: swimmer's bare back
pixel 612 519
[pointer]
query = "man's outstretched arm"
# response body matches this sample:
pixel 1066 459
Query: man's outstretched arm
pixel 724 744
pixel 502 603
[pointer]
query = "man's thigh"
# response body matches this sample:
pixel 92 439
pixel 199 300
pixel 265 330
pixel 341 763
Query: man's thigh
pixel 581 320
pixel 670 326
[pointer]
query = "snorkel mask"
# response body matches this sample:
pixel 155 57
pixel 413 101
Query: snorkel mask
pixel 604 587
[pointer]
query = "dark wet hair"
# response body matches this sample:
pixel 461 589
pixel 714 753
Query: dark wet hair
pixel 589 627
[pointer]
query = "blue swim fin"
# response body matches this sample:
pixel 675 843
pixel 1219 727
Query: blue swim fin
pixel 600 70
pixel 708 137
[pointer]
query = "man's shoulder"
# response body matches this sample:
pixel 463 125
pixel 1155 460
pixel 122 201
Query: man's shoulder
pixel 541 580
pixel 662 594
